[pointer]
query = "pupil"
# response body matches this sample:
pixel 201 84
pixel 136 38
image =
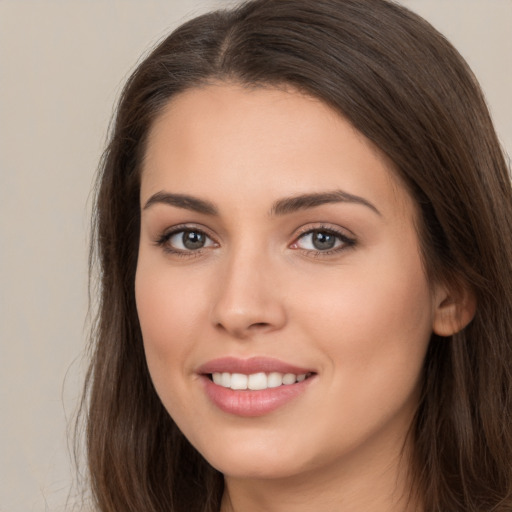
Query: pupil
pixel 193 240
pixel 323 240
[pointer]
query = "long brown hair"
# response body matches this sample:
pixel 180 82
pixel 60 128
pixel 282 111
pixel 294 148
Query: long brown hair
pixel 403 86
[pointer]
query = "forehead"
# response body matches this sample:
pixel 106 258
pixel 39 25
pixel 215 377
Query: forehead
pixel 276 141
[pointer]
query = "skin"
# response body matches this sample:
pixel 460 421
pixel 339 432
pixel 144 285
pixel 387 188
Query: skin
pixel 360 316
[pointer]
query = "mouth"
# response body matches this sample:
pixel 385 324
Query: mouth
pixel 253 387
pixel 256 381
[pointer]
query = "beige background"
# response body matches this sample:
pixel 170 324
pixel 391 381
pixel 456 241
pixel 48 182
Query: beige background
pixel 62 63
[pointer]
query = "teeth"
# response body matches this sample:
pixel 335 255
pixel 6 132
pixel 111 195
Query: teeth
pixel 225 380
pixel 275 380
pixel 256 381
pixel 289 378
pixel 238 381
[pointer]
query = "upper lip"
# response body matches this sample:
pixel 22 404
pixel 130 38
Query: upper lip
pixel 249 366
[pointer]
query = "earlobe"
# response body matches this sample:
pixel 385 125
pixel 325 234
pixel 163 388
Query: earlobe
pixel 453 311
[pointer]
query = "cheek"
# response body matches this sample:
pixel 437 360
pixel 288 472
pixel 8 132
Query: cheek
pixel 375 322
pixel 375 328
pixel 169 305
pixel 169 308
pixel 169 298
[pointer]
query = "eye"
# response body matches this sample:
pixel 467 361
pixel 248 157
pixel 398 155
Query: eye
pixel 186 241
pixel 322 240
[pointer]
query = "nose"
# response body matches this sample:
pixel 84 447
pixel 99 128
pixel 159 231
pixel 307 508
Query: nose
pixel 248 300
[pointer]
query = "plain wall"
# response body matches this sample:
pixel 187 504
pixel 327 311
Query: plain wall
pixel 62 63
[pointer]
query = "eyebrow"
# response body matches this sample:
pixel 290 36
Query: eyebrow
pixel 305 201
pixel 281 207
pixel 182 201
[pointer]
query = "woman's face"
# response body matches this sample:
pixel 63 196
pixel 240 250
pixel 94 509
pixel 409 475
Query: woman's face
pixel 279 252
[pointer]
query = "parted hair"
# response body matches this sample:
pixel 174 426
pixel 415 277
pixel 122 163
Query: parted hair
pixel 404 87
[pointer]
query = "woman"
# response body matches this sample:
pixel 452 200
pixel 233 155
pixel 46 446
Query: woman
pixel 303 234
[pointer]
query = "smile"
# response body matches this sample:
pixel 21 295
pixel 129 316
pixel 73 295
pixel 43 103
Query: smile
pixel 256 381
pixel 253 387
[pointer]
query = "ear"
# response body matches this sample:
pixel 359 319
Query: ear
pixel 454 309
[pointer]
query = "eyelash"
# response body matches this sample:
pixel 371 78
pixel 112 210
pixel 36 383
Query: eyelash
pixel 346 241
pixel 163 240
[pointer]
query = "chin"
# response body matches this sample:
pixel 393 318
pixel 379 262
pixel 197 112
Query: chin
pixel 258 458
pixel 263 468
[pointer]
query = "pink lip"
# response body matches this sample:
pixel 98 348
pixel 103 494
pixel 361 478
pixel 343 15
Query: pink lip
pixel 249 403
pixel 248 366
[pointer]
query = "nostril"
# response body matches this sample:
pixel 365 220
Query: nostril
pixel 242 332
pixel 244 320
pixel 259 327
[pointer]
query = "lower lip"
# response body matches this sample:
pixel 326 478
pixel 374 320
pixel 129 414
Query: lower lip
pixel 249 403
